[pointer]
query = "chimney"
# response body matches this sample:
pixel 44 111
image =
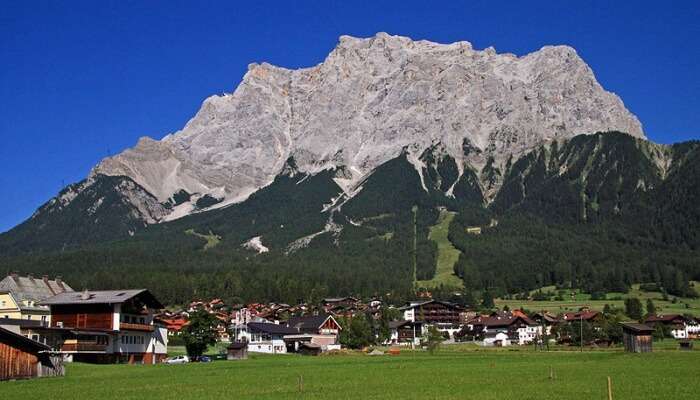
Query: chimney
pixel 85 295
pixel 59 282
pixel 14 276
pixel 31 277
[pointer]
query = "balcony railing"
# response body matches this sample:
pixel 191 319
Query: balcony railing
pixel 135 327
pixel 83 347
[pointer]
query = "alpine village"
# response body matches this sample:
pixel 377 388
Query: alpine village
pixel 45 323
pixel 368 215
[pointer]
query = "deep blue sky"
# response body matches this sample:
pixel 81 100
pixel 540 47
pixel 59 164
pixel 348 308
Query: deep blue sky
pixel 81 80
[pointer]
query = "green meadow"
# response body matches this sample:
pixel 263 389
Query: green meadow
pixel 456 372
pixel 681 305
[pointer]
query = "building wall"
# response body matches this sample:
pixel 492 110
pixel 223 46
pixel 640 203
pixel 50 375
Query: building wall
pixel 10 309
pixel 95 316
pixel 274 346
pixel 16 364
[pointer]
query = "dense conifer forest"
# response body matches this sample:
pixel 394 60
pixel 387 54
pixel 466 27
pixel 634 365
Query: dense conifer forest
pixel 597 212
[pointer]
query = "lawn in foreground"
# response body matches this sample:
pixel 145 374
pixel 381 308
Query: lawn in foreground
pixel 448 375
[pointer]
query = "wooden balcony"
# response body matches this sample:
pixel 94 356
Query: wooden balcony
pixel 135 327
pixel 70 347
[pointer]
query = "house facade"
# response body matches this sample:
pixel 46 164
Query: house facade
pixel 445 316
pixel 264 337
pixel 515 327
pixel 681 327
pixel 107 326
pixel 20 297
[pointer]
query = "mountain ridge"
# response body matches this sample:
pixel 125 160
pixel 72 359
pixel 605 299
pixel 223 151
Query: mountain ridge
pixel 367 101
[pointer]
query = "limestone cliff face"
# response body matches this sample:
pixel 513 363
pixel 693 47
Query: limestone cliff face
pixel 367 102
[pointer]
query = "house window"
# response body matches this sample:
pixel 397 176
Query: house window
pixel 3 303
pixel 29 317
pixel 35 338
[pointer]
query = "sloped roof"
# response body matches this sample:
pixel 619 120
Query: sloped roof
pixel 668 318
pixel 312 322
pixel 580 315
pixel 25 288
pixel 496 321
pixel 397 324
pixel 21 342
pixel 415 304
pixel 271 328
pixel 103 297
pixel 637 328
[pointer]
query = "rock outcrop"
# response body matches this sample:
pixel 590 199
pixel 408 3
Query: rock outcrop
pixel 367 102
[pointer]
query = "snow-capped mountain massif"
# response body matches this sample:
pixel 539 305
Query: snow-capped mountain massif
pixel 368 102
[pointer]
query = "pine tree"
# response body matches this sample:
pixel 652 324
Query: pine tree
pixel 487 300
pixel 651 308
pixel 633 308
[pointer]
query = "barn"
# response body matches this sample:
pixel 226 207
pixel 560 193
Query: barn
pixel 23 358
pixel 637 337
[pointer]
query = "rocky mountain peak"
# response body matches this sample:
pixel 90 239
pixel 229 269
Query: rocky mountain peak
pixel 368 100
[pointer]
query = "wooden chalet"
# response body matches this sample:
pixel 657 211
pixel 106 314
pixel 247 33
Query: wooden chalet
pixel 23 358
pixel 516 327
pixel 433 312
pixel 546 320
pixel 637 338
pixel 583 315
pixel 676 323
pixel 316 324
pixel 446 317
pixel 405 332
pixel 108 326
pixel 319 332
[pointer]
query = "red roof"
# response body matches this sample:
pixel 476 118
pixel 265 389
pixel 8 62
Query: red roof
pixel 496 321
pixel 666 319
pixel 580 315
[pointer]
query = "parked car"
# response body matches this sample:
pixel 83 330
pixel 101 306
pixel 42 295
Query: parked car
pixel 177 360
pixel 204 359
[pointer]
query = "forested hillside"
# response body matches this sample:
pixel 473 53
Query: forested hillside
pixel 599 212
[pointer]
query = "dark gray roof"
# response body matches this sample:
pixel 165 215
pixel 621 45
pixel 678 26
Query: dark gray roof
pixel 417 304
pixel 638 328
pixel 21 342
pixel 271 328
pixel 309 323
pixel 25 288
pixel 103 297
pixel 397 324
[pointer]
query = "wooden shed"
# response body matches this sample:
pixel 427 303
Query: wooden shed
pixel 637 337
pixel 23 358
pixel 237 351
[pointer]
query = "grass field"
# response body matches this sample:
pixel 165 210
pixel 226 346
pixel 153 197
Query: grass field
pixel 447 254
pixel 682 306
pixel 460 373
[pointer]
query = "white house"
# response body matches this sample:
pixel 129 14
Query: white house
pixel 266 337
pixel 516 326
